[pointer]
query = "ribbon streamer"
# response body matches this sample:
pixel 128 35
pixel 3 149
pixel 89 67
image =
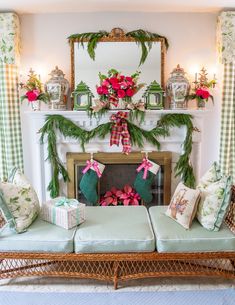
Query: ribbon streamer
pixel 94 165
pixel 120 132
pixel 146 165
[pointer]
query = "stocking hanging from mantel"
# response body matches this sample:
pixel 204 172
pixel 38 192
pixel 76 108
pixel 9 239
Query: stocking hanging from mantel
pixel 10 129
pixel 91 175
pixel 144 179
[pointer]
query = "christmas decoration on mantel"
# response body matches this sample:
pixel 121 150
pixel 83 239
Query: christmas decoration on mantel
pixel 58 123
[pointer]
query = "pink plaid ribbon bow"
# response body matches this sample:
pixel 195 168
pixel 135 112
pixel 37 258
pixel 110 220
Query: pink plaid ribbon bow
pixel 146 166
pixel 95 166
pixel 120 131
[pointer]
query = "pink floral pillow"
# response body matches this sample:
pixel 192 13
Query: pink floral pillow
pixel 183 205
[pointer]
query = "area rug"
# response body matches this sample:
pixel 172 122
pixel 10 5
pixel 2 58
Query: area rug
pixel 204 297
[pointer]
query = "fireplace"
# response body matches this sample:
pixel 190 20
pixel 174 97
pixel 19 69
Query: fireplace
pixel 120 170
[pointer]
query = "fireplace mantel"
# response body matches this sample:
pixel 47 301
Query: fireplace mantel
pixel 39 170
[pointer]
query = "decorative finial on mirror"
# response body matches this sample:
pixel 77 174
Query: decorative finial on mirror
pixel 117 33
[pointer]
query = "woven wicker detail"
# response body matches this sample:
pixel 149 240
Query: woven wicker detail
pixel 230 218
pixel 112 267
pixel 2 220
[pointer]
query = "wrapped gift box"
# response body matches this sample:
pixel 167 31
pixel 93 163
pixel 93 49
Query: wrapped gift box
pixel 63 212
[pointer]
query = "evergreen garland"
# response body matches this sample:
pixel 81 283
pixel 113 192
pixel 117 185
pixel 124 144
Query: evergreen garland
pixel 143 38
pixel 138 135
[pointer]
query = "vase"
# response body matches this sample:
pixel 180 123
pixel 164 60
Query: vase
pixel 122 104
pixel 201 104
pixel 177 88
pixel 36 105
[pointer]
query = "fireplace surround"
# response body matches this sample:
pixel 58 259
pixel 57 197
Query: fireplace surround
pixel 162 191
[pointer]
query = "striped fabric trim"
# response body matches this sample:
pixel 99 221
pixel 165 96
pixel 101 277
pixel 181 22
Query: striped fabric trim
pixel 11 154
pixel 227 135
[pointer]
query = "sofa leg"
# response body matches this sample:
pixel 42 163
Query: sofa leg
pixel 115 275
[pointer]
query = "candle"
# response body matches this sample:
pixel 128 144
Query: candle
pixel 196 77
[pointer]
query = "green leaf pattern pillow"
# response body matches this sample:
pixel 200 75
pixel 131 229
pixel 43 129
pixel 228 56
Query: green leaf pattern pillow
pixel 215 198
pixel 21 200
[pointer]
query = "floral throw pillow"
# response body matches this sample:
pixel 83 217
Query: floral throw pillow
pixel 214 203
pixel 212 175
pixel 20 199
pixel 183 205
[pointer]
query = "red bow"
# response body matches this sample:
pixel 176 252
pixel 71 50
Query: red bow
pixel 146 166
pixel 120 131
pixel 95 166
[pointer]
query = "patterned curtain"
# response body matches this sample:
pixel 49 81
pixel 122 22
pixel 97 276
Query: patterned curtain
pixel 226 48
pixel 10 130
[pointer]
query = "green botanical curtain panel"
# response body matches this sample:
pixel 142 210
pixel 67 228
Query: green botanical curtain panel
pixel 226 48
pixel 10 129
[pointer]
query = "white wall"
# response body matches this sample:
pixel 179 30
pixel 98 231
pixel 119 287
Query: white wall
pixel 191 37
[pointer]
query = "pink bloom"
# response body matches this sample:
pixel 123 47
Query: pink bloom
pixel 113 80
pixel 130 92
pixel 129 79
pixel 121 93
pixel 105 83
pixel 99 90
pixel 105 90
pixel 203 93
pixel 32 95
pixel 123 85
pixel 116 86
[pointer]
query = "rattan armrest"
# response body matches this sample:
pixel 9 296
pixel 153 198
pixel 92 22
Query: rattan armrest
pixel 230 218
pixel 2 220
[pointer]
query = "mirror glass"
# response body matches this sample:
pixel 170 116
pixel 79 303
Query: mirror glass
pixel 122 56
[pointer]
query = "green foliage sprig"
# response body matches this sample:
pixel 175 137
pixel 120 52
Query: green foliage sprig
pixel 138 135
pixel 92 39
pixel 143 38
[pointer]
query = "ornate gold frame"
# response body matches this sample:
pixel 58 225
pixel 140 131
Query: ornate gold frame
pixel 118 35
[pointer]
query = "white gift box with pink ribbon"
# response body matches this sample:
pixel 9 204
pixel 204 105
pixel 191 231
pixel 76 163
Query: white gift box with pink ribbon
pixel 63 212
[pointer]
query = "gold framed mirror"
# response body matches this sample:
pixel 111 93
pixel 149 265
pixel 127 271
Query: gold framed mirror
pixel 121 52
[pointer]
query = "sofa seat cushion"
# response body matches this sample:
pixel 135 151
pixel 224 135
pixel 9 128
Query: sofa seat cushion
pixel 115 229
pixel 41 236
pixel 171 237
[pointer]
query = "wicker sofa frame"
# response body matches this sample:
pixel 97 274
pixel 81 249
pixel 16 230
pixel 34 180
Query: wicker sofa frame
pixel 117 267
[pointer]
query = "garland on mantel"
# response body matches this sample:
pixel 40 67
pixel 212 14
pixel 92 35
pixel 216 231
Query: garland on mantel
pixel 69 129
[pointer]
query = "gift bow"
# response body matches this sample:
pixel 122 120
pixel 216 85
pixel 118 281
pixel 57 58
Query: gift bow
pixel 94 165
pixel 120 131
pixel 66 202
pixel 146 166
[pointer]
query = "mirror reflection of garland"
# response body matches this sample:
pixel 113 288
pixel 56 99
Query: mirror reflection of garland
pixel 134 134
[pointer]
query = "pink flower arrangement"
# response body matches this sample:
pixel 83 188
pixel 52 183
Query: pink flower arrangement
pixel 127 196
pixel 203 93
pixel 34 90
pixel 116 86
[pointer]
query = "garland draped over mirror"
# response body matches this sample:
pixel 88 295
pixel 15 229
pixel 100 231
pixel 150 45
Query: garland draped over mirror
pixel 143 38
pixel 67 128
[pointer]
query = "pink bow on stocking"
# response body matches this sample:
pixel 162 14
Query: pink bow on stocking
pixel 146 166
pixel 94 165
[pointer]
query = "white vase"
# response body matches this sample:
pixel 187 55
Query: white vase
pixel 36 105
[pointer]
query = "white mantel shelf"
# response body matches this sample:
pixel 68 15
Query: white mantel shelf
pixel 39 170
pixel 76 114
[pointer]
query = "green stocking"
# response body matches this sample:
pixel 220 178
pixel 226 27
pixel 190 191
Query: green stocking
pixel 143 186
pixel 88 186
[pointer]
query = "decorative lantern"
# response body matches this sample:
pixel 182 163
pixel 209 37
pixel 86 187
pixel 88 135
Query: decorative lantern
pixel 177 88
pixel 58 88
pixel 82 97
pixel 153 96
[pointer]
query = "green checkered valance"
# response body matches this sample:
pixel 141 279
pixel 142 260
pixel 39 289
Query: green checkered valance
pixel 10 129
